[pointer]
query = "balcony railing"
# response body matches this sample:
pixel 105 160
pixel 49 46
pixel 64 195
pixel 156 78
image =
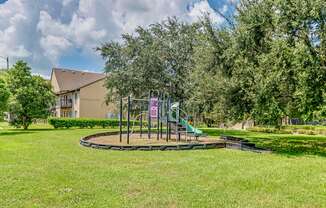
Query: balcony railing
pixel 67 103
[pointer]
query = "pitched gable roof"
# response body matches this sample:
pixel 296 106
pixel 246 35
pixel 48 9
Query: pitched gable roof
pixel 70 80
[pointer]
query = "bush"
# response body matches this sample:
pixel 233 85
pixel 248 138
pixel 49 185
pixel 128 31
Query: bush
pixel 88 123
pixel 270 130
pixel 304 129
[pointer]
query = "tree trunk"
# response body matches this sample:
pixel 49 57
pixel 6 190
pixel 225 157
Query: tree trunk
pixel 25 123
pixel 243 124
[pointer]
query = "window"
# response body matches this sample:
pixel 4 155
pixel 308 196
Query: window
pixel 76 96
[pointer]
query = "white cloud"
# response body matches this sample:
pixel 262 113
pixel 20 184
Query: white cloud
pixel 17 31
pixel 43 31
pixel 66 2
pixel 20 52
pixel 57 37
pixel 224 8
pixel 202 7
pixel 48 26
pixel 84 30
pixel 53 46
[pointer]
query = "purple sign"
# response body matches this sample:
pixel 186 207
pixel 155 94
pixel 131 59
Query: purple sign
pixel 154 107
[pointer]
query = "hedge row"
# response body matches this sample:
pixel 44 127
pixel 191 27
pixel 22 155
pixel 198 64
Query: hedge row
pixel 305 127
pixel 288 131
pixel 270 130
pixel 88 123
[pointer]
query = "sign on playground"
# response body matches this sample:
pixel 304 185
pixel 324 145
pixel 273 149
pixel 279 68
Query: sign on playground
pixel 154 107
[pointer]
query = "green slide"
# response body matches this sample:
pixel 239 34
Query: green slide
pixel 189 128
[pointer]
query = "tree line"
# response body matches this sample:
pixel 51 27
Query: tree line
pixel 267 62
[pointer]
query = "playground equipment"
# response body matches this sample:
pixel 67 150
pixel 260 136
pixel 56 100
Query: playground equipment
pixel 162 115
pixel 167 121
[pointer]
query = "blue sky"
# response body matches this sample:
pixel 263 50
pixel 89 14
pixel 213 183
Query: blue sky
pixel 64 33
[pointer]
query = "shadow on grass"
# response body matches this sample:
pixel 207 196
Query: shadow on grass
pixel 292 148
pixel 17 131
pixel 13 133
pixel 289 145
pixel 219 132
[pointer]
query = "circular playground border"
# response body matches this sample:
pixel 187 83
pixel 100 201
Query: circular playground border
pixel 188 146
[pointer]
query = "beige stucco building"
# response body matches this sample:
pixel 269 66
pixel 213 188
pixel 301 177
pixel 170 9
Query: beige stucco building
pixel 80 94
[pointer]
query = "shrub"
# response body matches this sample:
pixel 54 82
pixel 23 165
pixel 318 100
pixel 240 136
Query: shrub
pixel 308 130
pixel 88 123
pixel 270 130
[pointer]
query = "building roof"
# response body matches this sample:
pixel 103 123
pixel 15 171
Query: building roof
pixel 70 80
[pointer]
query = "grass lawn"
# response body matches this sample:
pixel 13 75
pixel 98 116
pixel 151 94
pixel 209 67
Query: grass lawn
pixel 289 144
pixel 48 168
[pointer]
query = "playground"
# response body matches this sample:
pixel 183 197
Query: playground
pixel 156 123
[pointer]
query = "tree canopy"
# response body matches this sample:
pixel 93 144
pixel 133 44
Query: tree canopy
pixel 155 58
pixel 269 64
pixel 31 98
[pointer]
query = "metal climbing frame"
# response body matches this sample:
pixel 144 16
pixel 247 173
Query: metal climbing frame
pixel 161 108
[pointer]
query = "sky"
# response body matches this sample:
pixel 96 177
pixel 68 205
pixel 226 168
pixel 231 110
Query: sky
pixel 65 33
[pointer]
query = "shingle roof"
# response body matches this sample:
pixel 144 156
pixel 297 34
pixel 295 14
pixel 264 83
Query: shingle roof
pixel 69 80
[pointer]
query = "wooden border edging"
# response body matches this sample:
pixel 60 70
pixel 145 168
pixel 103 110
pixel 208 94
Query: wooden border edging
pixel 191 146
pixel 228 142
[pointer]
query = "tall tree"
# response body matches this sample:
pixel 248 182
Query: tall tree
pixel 31 95
pixel 212 66
pixel 279 63
pixel 155 58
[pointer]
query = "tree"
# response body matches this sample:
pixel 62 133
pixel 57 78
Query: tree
pixel 155 58
pixel 31 95
pixel 4 96
pixel 211 69
pixel 282 42
pixel 278 61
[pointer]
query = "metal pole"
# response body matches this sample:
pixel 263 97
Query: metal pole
pixel 158 118
pixel 177 124
pixel 169 109
pixel 167 120
pixel 7 63
pixel 149 115
pixel 193 119
pixel 128 120
pixel 141 124
pixel 161 116
pixel 120 120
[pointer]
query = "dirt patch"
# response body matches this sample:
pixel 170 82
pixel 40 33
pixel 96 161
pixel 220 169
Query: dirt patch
pixel 137 139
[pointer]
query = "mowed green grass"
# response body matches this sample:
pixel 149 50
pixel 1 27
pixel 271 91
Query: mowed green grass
pixel 289 144
pixel 48 168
